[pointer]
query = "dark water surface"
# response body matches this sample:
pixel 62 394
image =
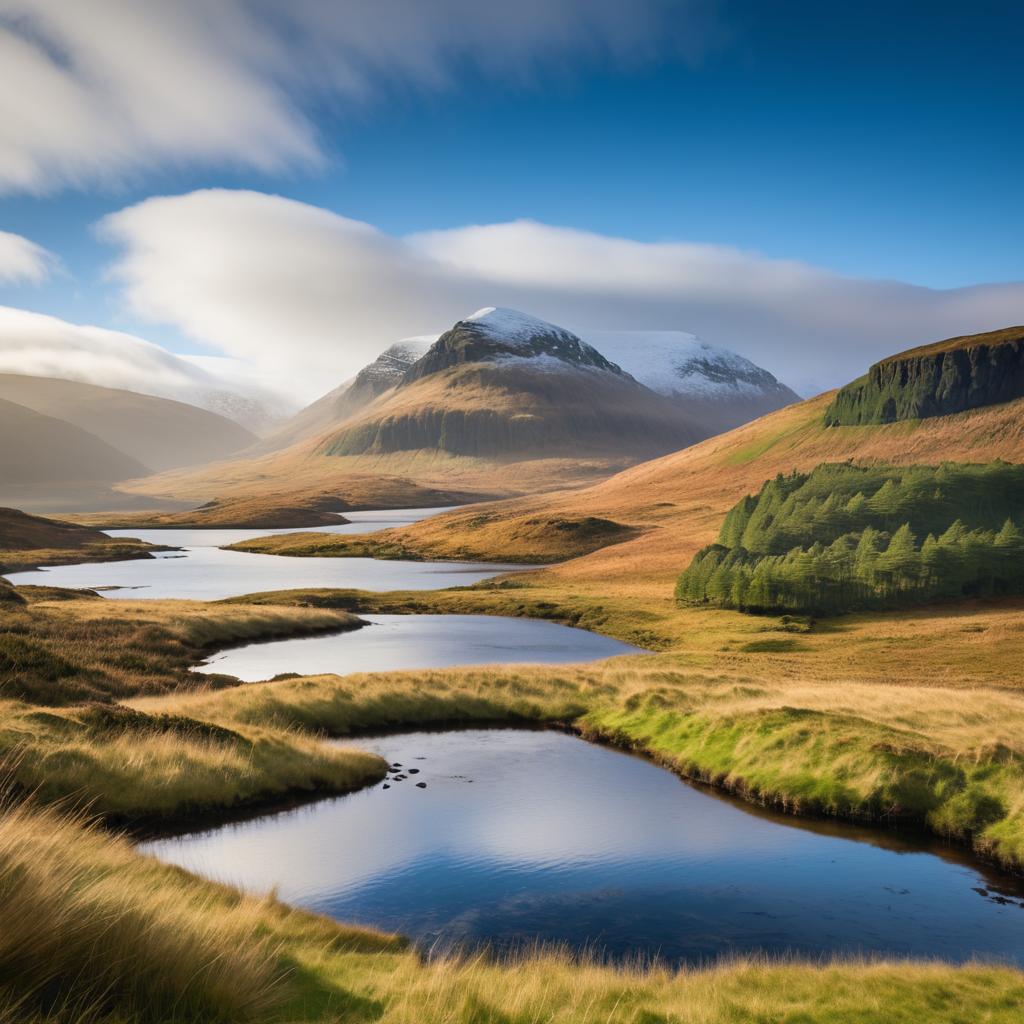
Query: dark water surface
pixel 394 642
pixel 523 836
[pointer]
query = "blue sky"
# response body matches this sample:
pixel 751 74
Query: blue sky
pixel 871 142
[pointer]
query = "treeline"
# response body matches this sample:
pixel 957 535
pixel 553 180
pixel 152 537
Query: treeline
pixel 848 537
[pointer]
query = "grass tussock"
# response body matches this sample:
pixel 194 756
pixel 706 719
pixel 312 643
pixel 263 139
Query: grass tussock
pixel 138 769
pixel 90 930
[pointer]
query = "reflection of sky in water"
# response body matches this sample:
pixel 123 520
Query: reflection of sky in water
pixel 526 835
pixel 395 642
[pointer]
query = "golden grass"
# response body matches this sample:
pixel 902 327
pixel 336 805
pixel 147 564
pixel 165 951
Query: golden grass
pixel 62 647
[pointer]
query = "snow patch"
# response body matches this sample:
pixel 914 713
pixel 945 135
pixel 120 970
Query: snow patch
pixel 676 363
pixel 512 327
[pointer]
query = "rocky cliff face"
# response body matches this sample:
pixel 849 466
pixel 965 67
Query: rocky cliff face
pixel 935 380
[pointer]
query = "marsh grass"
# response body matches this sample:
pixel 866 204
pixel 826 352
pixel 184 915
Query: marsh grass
pixel 63 647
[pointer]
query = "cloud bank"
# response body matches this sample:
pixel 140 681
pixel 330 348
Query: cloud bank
pixel 309 296
pixel 97 90
pixel 45 346
pixel 22 260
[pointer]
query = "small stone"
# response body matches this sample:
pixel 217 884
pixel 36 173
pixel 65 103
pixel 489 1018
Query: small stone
pixel 413 771
pixel 385 786
pixel 421 785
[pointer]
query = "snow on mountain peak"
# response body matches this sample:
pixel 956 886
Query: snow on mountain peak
pixel 511 326
pixel 675 363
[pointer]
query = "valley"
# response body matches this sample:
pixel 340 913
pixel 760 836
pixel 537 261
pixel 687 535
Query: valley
pixel 904 723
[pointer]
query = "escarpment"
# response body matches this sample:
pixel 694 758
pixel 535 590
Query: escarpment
pixel 935 380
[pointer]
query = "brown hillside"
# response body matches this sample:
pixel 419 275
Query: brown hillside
pixel 678 501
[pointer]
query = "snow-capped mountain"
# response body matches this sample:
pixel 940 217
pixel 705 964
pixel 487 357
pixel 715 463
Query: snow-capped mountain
pixel 525 366
pixel 501 384
pixel 721 388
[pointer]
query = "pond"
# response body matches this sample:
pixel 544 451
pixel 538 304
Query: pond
pixel 394 642
pixel 525 836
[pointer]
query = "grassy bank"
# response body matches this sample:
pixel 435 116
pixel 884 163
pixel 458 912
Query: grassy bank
pixel 65 659
pixel 91 931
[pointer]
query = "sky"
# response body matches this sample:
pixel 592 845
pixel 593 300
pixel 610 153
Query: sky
pixel 292 188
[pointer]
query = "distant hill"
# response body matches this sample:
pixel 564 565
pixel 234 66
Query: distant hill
pixel 19 530
pixel 157 433
pixel 43 451
pixel 947 377
pixel 718 388
pixel 505 385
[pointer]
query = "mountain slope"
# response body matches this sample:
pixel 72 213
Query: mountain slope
pixel 676 504
pixel 348 398
pixel 157 432
pixel 504 385
pixel 44 451
pixel 719 389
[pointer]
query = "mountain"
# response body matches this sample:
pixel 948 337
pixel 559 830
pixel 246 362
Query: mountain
pixel 348 398
pixel 504 385
pixel 156 432
pixel 719 389
pixel 949 376
pixel 675 505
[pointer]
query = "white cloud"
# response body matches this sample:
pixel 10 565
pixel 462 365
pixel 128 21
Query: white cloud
pixel 45 346
pixel 309 296
pixel 101 89
pixel 23 260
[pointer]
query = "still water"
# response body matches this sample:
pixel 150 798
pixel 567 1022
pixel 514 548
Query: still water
pixel 522 836
pixel 204 572
pixel 394 642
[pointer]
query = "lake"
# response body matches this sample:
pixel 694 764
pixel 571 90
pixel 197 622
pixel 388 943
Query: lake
pixel 524 836
pixel 204 572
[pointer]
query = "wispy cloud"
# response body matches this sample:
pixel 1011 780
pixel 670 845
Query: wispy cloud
pixel 309 296
pixel 23 260
pixel 103 89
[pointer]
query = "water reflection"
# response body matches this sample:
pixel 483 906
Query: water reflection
pixel 520 836
pixel 394 642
